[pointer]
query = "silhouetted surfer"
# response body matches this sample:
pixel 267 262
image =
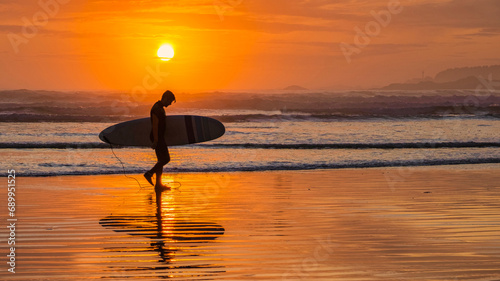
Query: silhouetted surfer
pixel 158 138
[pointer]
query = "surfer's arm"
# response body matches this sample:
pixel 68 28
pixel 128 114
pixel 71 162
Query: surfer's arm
pixel 155 130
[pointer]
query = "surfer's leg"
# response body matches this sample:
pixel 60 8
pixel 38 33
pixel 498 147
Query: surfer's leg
pixel 149 175
pixel 163 158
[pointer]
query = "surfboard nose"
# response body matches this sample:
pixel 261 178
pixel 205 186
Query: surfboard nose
pixel 103 135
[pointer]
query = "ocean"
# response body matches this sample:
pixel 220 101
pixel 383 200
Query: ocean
pixel 45 133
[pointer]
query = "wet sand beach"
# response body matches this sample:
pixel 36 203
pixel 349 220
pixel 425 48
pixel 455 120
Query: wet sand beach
pixel 416 223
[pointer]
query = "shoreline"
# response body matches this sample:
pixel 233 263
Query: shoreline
pixel 451 166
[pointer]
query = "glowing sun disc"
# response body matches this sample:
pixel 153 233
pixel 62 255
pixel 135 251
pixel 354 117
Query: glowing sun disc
pixel 165 52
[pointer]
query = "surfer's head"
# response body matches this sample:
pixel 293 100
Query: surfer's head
pixel 168 98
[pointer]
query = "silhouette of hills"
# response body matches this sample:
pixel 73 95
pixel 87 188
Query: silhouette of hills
pixel 454 78
pixel 295 88
pixel 454 74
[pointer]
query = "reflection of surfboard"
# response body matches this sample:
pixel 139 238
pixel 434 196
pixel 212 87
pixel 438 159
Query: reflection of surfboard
pixel 177 230
pixel 167 238
pixel 180 129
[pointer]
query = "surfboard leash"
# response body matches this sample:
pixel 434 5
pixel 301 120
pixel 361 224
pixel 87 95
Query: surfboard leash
pixel 125 174
pixel 123 166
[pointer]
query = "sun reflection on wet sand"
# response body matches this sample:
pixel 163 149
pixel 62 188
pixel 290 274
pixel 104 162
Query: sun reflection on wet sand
pixel 171 237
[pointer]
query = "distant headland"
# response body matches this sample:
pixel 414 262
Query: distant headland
pixel 453 78
pixel 295 88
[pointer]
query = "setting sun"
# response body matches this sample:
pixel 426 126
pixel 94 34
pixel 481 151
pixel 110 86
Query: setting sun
pixel 165 52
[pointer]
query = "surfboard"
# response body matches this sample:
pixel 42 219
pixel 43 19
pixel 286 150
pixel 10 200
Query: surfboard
pixel 180 130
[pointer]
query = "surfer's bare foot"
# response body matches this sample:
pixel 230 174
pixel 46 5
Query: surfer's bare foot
pixel 148 176
pixel 161 187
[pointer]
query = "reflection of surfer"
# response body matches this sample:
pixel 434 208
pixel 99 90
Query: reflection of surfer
pixel 158 138
pixel 158 244
pixel 169 235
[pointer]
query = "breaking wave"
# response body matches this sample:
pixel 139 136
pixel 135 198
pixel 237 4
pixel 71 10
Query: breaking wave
pixel 256 168
pixel 36 106
pixel 414 145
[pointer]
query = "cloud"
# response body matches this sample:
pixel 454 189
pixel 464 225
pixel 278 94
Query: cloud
pixel 480 33
pixel 5 28
pixel 487 32
pixel 457 14
pixel 376 50
pixel 454 14
pixel 18 29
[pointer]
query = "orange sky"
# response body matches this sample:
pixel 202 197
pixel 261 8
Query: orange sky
pixel 239 44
